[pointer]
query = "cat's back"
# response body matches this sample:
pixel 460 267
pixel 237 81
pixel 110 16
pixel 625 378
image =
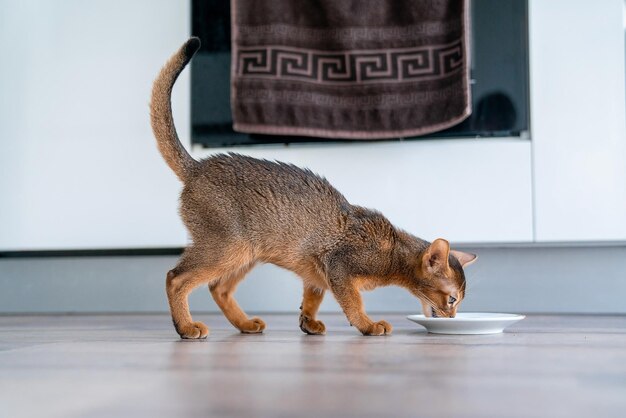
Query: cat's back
pixel 248 174
pixel 258 190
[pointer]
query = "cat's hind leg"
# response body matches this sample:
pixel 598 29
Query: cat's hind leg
pixel 311 301
pixel 222 291
pixel 179 283
pixel 197 266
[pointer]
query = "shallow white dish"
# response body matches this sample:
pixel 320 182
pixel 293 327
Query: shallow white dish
pixel 468 323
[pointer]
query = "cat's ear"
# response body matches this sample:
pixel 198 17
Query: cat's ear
pixel 435 257
pixel 464 258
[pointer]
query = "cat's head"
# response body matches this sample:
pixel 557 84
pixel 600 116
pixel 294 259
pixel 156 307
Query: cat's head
pixel 441 278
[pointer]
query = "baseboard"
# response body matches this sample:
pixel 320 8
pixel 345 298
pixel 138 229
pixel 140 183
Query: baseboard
pixel 532 279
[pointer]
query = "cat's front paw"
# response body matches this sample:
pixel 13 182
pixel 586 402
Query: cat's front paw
pixel 252 326
pixel 378 328
pixel 312 326
pixel 193 331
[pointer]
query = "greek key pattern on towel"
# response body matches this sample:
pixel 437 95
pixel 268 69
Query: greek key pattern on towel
pixel 350 67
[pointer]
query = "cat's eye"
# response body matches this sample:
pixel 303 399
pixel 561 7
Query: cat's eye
pixel 452 300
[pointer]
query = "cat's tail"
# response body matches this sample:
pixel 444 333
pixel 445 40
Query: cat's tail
pixel 161 119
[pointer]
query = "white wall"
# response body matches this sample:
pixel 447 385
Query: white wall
pixel 80 168
pixel 79 164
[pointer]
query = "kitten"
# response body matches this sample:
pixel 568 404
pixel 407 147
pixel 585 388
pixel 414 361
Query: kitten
pixel 241 211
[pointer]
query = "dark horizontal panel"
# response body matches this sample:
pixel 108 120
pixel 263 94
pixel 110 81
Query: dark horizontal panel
pixel 222 135
pixel 113 252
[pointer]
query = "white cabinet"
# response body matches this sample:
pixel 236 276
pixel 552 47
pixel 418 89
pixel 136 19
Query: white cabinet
pixel 578 119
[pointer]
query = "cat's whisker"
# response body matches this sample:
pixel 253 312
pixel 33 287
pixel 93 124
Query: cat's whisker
pixel 433 306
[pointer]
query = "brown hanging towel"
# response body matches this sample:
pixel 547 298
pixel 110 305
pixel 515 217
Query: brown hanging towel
pixel 359 69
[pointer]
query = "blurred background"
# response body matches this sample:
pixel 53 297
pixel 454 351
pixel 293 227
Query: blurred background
pixel 536 178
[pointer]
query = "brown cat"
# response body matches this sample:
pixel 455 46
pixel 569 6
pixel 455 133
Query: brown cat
pixel 241 211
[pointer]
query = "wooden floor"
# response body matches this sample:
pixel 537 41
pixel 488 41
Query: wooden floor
pixel 116 366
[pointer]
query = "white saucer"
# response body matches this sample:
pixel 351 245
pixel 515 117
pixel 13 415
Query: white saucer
pixel 468 323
